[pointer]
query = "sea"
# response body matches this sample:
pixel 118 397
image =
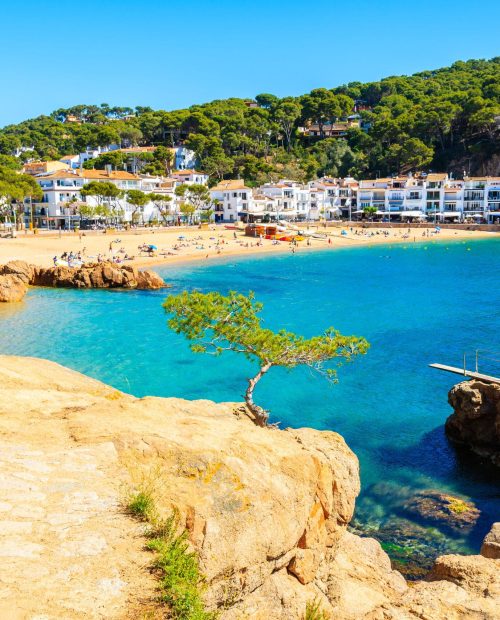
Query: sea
pixel 416 304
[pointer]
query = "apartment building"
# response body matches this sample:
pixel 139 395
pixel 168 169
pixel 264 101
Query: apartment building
pixel 233 201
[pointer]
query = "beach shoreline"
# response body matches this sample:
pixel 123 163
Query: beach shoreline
pixel 188 244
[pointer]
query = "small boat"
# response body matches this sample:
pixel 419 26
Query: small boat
pixel 231 227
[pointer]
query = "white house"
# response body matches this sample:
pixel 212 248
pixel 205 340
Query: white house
pixel 234 200
pixel 190 176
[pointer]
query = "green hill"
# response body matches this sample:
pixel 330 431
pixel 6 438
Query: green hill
pixel 446 119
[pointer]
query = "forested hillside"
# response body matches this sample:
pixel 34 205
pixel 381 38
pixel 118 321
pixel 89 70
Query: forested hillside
pixel 446 119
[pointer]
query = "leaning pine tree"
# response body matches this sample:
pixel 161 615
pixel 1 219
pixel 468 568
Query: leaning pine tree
pixel 217 323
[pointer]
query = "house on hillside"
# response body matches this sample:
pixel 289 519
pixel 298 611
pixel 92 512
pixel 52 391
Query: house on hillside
pixel 41 167
pixel 329 130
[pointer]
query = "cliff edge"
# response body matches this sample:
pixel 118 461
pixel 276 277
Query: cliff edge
pixel 265 510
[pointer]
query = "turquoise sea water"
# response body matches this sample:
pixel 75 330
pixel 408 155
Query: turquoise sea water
pixel 416 304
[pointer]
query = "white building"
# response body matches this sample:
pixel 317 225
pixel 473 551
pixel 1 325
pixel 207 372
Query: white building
pixel 190 176
pixel 62 197
pixel 233 200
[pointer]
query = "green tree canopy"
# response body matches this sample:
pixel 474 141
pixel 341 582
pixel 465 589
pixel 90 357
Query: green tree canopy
pixel 215 323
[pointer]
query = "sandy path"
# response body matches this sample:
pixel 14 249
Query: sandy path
pixel 198 245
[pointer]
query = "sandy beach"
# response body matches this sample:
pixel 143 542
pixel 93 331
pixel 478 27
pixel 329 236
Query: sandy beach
pixel 182 244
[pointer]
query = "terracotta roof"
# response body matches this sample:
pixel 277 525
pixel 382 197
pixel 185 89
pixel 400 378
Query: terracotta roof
pixel 116 175
pixel 229 185
pixel 58 174
pixel 438 176
pixel 184 173
pixel 67 157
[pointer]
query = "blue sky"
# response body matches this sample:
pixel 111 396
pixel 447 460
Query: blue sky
pixel 174 54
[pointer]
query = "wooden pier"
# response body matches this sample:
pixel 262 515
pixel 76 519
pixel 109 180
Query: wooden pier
pixel 471 374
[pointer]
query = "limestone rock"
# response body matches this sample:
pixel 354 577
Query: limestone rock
pixel 475 422
pixel 12 288
pixel 491 544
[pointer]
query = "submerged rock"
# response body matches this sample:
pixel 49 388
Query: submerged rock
pixel 475 423
pixel 446 511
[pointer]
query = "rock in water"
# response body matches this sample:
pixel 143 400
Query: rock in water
pixel 448 512
pixel 475 422
pixel 12 288
pixel 97 275
pixel 149 280
pixel 15 277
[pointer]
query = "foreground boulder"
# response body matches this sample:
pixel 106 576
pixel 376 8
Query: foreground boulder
pixel 265 510
pixel 475 422
pixel 17 275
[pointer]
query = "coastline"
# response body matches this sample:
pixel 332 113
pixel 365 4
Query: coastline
pixel 204 246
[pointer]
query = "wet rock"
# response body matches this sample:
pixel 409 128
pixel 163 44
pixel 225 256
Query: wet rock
pixel 491 544
pixel 449 513
pixel 475 422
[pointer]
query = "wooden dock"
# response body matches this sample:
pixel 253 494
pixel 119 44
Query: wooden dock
pixel 466 373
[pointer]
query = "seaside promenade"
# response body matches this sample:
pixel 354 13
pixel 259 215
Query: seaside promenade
pixel 183 244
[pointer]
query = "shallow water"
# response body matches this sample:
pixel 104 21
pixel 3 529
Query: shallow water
pixel 416 304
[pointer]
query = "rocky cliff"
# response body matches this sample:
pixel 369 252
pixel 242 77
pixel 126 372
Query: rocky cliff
pixel 475 421
pixel 16 276
pixel 265 510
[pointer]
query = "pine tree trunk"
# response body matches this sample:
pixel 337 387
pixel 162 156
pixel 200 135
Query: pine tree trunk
pixel 261 416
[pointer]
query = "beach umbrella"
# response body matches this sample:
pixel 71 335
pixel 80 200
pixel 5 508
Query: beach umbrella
pixel 438 228
pixel 153 247
pixel 181 237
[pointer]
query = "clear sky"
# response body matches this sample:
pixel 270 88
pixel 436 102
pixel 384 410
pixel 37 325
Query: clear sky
pixel 173 54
